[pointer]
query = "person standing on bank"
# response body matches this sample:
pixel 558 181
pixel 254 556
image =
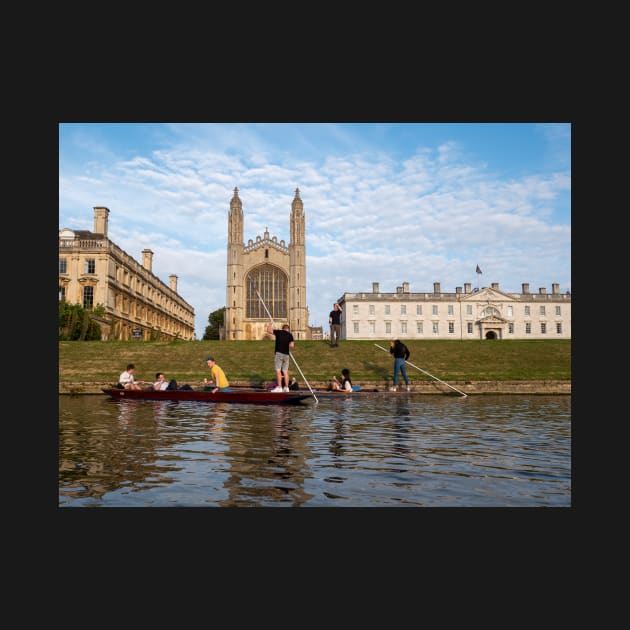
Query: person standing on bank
pixel 284 343
pixel 221 384
pixel 401 354
pixel 334 319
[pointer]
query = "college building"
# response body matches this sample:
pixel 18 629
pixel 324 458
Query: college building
pixel 486 313
pixel 93 271
pixel 266 278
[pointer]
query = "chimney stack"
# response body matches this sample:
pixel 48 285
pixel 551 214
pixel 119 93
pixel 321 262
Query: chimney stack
pixel 375 287
pixel 100 220
pixel 542 290
pixel 458 289
pixel 525 287
pixel 436 287
pixel 173 280
pixel 555 288
pixel 466 287
pixel 495 285
pixel 147 259
pixel 405 287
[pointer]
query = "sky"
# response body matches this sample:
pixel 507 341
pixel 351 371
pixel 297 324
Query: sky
pixel 383 202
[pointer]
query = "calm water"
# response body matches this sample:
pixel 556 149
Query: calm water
pixel 416 451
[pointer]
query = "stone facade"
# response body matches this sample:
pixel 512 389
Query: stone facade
pixel 486 313
pixel 94 271
pixel 266 279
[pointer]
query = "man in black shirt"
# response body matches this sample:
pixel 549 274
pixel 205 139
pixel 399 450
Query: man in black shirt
pixel 284 342
pixel 334 319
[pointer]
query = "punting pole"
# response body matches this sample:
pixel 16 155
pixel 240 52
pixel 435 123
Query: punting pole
pixel 292 357
pixel 431 375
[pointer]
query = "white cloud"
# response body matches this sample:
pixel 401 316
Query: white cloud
pixel 422 218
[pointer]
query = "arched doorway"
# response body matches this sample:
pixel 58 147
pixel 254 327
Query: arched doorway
pixel 491 334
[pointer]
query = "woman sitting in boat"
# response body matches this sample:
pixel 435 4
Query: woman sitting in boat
pixel 219 380
pixel 343 385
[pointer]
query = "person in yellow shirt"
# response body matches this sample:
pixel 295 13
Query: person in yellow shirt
pixel 221 384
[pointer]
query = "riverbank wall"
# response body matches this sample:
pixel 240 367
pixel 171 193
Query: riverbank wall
pixel 540 387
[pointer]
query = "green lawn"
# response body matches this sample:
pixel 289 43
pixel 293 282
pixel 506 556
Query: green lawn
pixel 253 360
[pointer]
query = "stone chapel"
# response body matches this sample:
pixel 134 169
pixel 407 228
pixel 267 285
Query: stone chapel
pixel 266 279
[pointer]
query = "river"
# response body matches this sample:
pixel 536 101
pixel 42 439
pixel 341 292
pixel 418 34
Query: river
pixel 405 451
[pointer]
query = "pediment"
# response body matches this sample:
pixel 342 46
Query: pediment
pixel 492 319
pixel 489 295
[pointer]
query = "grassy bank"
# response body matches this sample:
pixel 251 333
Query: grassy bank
pixel 253 360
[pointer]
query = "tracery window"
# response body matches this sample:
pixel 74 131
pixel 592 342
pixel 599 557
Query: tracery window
pixel 271 283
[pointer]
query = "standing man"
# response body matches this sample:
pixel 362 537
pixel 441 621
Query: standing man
pixel 284 343
pixel 334 319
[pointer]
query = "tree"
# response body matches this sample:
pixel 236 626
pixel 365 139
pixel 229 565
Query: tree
pixel 216 322
pixel 75 323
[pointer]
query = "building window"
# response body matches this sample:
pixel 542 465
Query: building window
pixel 557 311
pixel 451 327
pixel 469 327
pixel 510 311
pixel 511 329
pixel 419 328
pixel 355 309
pixel 403 309
pixel 434 309
pixel 388 328
pixel 450 309
pixel 90 265
pixel 543 310
pixel 266 253
pixel 62 293
pixel 559 328
pixel 88 297
pixel 371 309
pixel 436 328
pixel 63 265
pixel 418 309
pixel 372 327
pixel 528 328
pixel 356 327
pixel 543 328
pixel 271 283
pixel 403 328
pixel 388 309
pixel 468 309
pixel 528 310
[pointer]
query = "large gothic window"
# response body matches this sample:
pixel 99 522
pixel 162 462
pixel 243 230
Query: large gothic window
pixel 271 283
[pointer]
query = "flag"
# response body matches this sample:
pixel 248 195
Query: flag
pixel 478 270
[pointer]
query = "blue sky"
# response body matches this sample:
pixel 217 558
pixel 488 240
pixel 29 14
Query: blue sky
pixel 384 202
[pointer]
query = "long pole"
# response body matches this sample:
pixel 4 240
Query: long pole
pixel 292 357
pixel 431 375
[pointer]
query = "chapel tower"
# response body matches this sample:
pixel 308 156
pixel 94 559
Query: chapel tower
pixel 265 277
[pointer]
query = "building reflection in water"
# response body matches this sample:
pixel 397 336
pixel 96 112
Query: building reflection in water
pixel 267 460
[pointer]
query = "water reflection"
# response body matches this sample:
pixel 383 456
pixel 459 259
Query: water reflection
pixel 407 451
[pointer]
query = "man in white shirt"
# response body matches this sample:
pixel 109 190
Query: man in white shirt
pixel 160 382
pixel 127 380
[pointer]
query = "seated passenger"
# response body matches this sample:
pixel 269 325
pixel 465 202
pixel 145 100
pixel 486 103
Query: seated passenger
pixel 126 380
